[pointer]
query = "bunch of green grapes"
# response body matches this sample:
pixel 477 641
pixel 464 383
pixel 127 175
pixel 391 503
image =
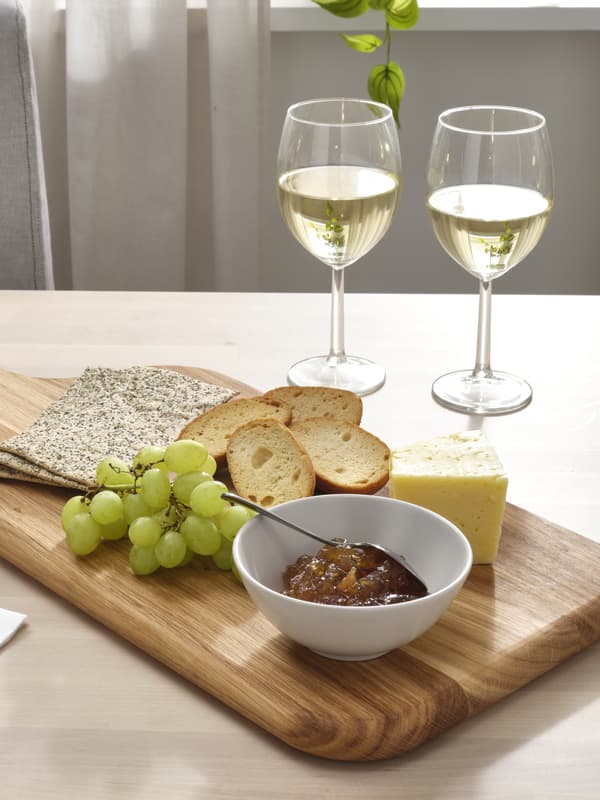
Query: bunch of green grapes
pixel 167 502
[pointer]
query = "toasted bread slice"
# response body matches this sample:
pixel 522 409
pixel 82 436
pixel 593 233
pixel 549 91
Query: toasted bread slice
pixel 215 427
pixel 267 464
pixel 346 458
pixel 319 401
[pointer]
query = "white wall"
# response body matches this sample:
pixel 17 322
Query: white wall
pixel 553 72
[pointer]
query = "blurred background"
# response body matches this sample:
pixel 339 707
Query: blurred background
pixel 160 129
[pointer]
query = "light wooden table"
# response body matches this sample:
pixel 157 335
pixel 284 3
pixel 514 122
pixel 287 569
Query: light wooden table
pixel 84 715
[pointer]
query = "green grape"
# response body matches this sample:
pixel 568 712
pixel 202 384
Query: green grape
pixel 74 505
pixel 148 455
pixel 115 530
pixel 145 531
pixel 201 535
pixel 135 506
pixel 170 549
pixel 167 516
pixel 223 558
pixel 206 500
pixel 210 465
pixel 231 520
pixel 183 485
pixel 185 455
pixel 106 507
pixel 142 560
pixel 156 488
pixel 83 534
pixel 113 472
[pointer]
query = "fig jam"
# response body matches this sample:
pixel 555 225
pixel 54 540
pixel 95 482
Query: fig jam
pixel 342 575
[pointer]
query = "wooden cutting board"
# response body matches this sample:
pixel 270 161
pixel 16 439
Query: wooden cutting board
pixel 537 606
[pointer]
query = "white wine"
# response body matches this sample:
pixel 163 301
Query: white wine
pixel 488 228
pixel 338 213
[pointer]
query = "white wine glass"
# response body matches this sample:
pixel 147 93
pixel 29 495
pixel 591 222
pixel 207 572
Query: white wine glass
pixel 339 184
pixel 490 191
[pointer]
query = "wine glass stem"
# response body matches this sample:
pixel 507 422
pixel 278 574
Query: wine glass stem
pixel 336 344
pixel 482 368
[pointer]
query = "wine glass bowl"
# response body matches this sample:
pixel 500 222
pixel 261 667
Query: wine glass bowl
pixel 490 195
pixel 338 187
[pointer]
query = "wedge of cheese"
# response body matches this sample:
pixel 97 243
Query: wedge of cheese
pixel 460 477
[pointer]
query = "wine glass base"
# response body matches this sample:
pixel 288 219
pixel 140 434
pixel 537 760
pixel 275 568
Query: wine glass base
pixel 358 375
pixel 499 393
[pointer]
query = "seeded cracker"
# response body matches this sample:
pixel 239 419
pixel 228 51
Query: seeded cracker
pixel 18 469
pixel 106 412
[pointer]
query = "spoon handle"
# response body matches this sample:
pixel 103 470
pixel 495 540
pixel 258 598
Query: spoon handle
pixel 266 513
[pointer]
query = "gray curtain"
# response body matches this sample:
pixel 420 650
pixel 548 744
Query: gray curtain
pixel 25 253
pixel 127 137
pixel 239 48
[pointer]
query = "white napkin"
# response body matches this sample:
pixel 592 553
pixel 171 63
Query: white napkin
pixel 10 622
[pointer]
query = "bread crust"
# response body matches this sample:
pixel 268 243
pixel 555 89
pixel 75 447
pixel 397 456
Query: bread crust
pixel 215 429
pixel 346 458
pixel 267 464
pixel 319 401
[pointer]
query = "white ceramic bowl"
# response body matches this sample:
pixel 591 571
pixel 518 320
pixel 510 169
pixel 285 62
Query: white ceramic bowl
pixel 436 548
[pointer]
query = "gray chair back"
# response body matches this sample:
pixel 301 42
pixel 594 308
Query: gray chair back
pixel 25 254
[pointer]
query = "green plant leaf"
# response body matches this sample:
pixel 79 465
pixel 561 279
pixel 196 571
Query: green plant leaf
pixel 402 14
pixel 363 43
pixel 344 8
pixel 386 85
pixel 379 5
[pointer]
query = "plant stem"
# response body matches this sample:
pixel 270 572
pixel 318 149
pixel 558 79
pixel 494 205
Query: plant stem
pixel 388 39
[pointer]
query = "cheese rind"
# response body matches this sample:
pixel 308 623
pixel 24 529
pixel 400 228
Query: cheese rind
pixel 460 477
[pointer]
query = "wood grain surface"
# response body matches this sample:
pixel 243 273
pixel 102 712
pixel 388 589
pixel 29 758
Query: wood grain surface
pixel 537 606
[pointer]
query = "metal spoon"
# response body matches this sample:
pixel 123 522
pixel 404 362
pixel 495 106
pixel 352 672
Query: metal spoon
pixel 335 542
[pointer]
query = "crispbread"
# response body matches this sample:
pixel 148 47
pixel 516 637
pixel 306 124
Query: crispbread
pixel 106 412
pixel 215 427
pixel 319 401
pixel 346 457
pixel 18 469
pixel 267 464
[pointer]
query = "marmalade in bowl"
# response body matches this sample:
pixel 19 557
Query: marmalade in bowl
pixel 342 575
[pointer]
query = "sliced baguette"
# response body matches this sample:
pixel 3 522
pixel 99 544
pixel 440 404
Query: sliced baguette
pixel 319 401
pixel 346 458
pixel 215 427
pixel 267 464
